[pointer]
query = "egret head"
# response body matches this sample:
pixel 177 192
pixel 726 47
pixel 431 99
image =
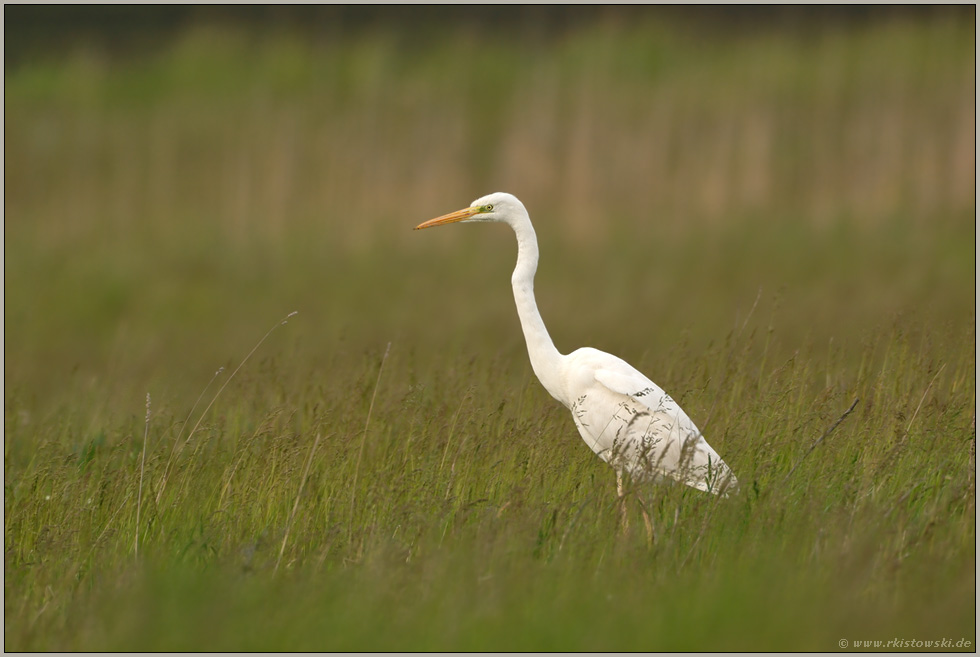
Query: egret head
pixel 499 207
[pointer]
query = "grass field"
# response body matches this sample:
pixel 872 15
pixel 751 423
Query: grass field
pixel 771 226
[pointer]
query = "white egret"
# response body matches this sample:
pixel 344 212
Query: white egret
pixel 626 418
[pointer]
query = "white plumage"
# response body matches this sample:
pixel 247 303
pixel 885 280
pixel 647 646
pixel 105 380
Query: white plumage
pixel 624 417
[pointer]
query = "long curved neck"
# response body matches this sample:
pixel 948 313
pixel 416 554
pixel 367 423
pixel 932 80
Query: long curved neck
pixel 545 359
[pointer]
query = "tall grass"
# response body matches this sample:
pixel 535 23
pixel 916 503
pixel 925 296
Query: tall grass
pixel 769 227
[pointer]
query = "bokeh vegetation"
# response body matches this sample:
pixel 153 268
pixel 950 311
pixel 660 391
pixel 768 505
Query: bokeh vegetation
pixel 769 222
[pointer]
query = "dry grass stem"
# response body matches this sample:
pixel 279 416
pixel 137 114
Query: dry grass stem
pixel 139 494
pixel 183 426
pixel 821 439
pixel 282 322
pixel 923 398
pixel 360 450
pixel 299 494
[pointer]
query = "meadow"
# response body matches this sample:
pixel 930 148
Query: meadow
pixel 776 226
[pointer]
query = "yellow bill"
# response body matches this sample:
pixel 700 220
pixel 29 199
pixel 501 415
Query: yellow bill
pixel 450 218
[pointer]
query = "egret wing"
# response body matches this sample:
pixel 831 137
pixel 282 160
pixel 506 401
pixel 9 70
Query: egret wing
pixel 653 437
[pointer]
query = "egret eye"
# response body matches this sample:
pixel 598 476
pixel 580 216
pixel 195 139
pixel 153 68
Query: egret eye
pixel 488 208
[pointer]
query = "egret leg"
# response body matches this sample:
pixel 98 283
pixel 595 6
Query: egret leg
pixel 648 523
pixel 624 517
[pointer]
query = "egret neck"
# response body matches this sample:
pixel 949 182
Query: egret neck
pixel 545 359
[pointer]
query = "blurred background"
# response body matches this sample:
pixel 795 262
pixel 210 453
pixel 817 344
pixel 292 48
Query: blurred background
pixel 177 178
